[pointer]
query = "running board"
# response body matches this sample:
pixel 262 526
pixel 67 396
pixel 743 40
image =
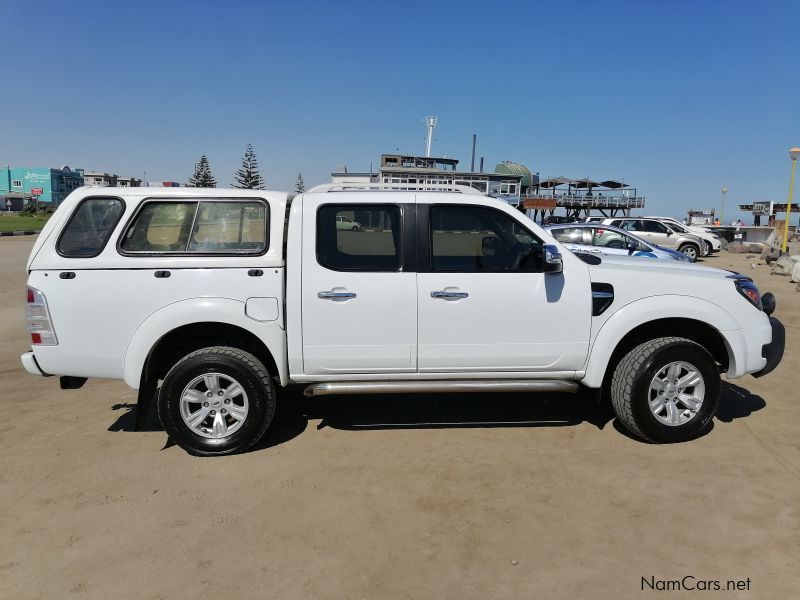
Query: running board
pixel 440 386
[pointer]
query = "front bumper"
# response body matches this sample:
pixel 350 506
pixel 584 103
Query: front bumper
pixel 773 351
pixel 31 366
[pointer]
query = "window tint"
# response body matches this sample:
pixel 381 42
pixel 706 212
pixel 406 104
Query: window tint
pixel 654 227
pixel 474 238
pixel 569 235
pixel 90 227
pixel 199 227
pixel 359 237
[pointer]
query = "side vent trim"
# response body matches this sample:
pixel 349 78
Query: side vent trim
pixel 602 297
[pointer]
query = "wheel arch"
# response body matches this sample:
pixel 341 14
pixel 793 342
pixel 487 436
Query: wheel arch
pixel 664 316
pixel 185 326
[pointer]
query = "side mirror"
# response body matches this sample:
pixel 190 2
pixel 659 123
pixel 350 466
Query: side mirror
pixel 669 232
pixel 489 246
pixel 632 247
pixel 552 259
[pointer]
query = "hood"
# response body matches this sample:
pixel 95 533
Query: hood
pixel 634 265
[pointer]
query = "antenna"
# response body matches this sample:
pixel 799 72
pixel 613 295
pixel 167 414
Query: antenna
pixel 430 123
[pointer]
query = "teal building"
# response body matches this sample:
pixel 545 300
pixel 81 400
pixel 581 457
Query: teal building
pixel 43 183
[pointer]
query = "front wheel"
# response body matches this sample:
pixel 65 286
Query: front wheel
pixel 706 249
pixel 689 250
pixel 666 390
pixel 217 401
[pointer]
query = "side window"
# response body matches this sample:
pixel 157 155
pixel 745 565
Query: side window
pixel 654 227
pixel 160 227
pixel 569 235
pixel 632 225
pixel 475 238
pixel 606 238
pixel 359 237
pixel 230 227
pixel 199 227
pixel 89 227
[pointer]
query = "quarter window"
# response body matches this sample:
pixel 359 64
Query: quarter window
pixel 199 227
pixel 475 238
pixel 89 228
pixel 359 237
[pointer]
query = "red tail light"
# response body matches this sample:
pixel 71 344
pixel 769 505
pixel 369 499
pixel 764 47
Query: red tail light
pixel 38 317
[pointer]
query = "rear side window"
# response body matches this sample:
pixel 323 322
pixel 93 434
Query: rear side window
pixel 89 228
pixel 198 227
pixel 359 237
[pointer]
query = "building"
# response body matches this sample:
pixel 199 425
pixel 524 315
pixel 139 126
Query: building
pixel 98 179
pixel 508 182
pixel 39 183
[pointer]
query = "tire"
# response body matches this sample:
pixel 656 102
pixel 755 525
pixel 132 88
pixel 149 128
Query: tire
pixel 246 411
pixel 690 250
pixel 354 228
pixel 706 250
pixel 632 392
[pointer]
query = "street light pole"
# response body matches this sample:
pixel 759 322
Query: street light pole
pixel 724 191
pixel 793 154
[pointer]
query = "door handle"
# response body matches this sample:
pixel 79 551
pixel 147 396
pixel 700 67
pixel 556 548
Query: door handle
pixel 449 295
pixel 336 295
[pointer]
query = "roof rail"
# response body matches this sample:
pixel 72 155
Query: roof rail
pixel 397 187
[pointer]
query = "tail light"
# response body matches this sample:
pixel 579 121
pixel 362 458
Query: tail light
pixel 37 317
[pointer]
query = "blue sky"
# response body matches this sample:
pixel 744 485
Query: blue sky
pixel 678 98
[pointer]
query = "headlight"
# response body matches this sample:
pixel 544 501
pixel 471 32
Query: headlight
pixel 748 289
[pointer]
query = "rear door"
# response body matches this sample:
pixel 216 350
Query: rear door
pixel 359 291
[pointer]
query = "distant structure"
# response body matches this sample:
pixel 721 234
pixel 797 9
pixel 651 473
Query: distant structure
pixel 98 179
pixel 43 184
pixel 580 197
pixel 430 124
pixel 509 181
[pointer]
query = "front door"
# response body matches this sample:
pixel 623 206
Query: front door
pixel 359 305
pixel 484 302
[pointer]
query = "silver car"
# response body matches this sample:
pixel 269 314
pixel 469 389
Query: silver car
pixel 607 239
pixel 656 232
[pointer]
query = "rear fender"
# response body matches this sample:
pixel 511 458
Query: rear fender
pixel 200 310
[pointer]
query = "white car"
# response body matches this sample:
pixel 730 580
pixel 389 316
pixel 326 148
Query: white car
pixel 347 223
pixel 711 240
pixel 209 301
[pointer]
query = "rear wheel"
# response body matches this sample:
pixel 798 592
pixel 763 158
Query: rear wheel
pixel 689 250
pixel 216 401
pixel 666 390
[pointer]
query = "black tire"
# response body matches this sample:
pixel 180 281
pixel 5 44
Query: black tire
pixel 355 228
pixel 630 389
pixel 690 250
pixel 245 369
pixel 706 250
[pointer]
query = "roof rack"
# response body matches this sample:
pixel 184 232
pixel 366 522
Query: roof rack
pixel 396 187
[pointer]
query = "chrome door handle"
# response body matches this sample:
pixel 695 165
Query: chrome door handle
pixel 336 295
pixel 440 294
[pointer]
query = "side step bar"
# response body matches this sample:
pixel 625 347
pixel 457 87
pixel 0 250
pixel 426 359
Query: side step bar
pixel 440 386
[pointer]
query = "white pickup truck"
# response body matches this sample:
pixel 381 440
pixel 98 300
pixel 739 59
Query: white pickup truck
pixel 208 300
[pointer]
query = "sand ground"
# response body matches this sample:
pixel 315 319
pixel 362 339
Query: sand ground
pixel 504 496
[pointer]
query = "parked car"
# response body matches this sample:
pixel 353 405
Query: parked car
pixel 711 240
pixel 658 233
pixel 209 300
pixel 347 223
pixel 607 239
